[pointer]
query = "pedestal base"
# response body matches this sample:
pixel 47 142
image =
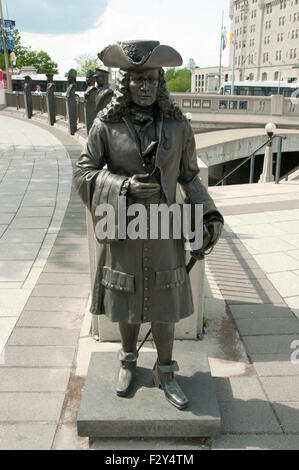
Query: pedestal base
pixel 146 412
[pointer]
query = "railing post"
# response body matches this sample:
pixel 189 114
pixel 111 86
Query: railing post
pixel 251 176
pixel 278 160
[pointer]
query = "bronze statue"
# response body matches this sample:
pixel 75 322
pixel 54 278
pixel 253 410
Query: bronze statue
pixel 104 93
pixel 148 146
pixel 51 99
pixel 90 100
pixel 71 101
pixel 27 95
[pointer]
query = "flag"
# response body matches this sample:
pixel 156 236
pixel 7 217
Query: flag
pixel 224 38
pixel 10 35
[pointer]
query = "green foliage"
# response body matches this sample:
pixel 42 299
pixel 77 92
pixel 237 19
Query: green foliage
pixel 86 62
pixel 26 56
pixel 178 80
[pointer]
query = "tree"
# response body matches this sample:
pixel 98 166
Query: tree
pixel 26 56
pixel 86 62
pixel 170 74
pixel 191 65
pixel 180 81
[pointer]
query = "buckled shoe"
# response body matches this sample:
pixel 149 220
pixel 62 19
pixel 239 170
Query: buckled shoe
pixel 127 371
pixel 163 375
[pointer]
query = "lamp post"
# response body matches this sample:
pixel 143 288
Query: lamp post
pixel 267 175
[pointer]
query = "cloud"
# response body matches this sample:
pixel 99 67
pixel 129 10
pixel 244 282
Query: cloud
pixel 55 16
pixel 190 26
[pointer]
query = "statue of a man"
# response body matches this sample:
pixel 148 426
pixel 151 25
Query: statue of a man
pixel 104 92
pixel 27 95
pixel 90 99
pixel 148 146
pixel 71 100
pixel 51 98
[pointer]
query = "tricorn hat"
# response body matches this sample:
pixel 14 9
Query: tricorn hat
pixel 89 74
pixel 98 72
pixel 140 55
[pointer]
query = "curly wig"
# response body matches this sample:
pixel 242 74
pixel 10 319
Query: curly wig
pixel 119 105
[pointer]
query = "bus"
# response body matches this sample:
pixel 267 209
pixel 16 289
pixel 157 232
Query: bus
pixel 39 84
pixel 259 88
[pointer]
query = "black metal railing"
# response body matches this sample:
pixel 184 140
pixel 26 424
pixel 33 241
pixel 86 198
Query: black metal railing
pixel 252 156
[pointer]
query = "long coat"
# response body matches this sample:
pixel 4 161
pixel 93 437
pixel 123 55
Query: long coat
pixel 140 281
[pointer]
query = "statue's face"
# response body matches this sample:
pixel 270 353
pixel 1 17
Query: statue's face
pixel 143 87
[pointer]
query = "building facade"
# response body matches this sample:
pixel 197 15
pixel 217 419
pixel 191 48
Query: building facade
pixel 206 79
pixel 266 35
pixel 265 44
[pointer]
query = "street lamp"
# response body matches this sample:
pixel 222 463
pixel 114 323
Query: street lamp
pixel 267 174
pixel 270 129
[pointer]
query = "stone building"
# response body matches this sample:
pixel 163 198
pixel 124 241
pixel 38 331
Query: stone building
pixel 266 35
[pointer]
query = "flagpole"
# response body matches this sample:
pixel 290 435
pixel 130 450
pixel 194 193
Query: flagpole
pixel 5 49
pixel 220 59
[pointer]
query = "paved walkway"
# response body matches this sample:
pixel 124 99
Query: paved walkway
pixel 252 324
pixel 35 181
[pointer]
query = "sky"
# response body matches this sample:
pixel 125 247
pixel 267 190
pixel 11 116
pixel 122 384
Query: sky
pixel 68 28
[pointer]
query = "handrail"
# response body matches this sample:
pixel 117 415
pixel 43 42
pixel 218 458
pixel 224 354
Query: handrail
pixel 246 160
pixel 288 173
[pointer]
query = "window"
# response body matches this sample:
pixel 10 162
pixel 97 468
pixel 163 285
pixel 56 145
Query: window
pixel 206 103
pixel 186 103
pixel 264 76
pixel 196 103
pixel 243 105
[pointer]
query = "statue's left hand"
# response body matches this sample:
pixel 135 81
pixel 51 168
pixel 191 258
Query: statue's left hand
pixel 215 229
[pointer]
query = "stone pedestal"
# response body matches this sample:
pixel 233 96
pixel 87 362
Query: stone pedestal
pixel 146 412
pixel 267 175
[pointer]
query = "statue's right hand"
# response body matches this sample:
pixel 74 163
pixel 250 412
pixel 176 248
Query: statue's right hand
pixel 140 189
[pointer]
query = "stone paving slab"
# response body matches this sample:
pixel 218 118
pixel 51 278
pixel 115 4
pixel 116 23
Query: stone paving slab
pixel 273 326
pixel 238 388
pixel 287 283
pixel 274 364
pixel 18 407
pixel 45 319
pixel 288 414
pixel 252 416
pixel 284 388
pixel 27 436
pixel 17 379
pixel 20 252
pixel 55 290
pixel 255 442
pixel 14 271
pixel 24 236
pixel 12 302
pixel 43 337
pixel 38 356
pixel 6 327
pixel 48 304
pixel 272 344
pixel 257 311
pixel 66 279
pixel 272 264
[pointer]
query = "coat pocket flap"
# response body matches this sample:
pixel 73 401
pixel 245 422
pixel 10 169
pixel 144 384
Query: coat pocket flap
pixel 118 281
pixel 171 278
